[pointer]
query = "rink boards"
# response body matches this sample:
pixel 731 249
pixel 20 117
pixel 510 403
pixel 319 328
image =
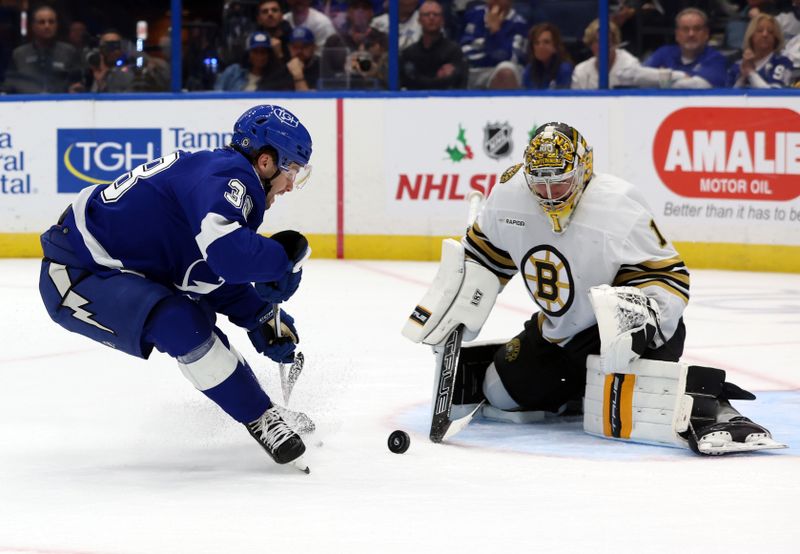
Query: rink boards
pixel 390 174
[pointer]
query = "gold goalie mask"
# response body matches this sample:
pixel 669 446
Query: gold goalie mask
pixel 557 167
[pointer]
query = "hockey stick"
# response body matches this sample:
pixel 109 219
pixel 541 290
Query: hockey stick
pixel 447 353
pixel 288 381
pixel 285 389
pixel 301 422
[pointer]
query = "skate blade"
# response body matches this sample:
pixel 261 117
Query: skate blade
pixel 717 448
pixel 300 464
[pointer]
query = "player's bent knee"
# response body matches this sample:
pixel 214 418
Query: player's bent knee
pixel 495 392
pixel 177 326
pixel 209 364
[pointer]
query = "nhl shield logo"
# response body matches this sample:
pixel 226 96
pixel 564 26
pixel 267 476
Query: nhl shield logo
pixel 497 141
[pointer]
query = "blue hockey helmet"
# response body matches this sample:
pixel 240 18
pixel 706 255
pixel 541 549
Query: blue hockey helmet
pixel 274 126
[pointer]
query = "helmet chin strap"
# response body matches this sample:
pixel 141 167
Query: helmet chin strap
pixel 267 182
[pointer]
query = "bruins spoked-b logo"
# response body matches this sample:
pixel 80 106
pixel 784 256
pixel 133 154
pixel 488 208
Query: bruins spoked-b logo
pixel 512 349
pixel 497 141
pixel 549 279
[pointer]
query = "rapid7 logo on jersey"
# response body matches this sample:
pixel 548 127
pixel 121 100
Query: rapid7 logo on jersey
pixel 98 156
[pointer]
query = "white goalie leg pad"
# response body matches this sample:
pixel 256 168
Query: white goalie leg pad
pixel 462 293
pixel 209 364
pixel 647 404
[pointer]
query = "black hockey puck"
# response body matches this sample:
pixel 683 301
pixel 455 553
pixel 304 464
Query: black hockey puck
pixel 399 441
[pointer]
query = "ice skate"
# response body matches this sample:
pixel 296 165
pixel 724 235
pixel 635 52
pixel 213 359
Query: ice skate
pixel 279 440
pixel 737 435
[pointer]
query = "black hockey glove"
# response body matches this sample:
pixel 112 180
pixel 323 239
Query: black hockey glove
pixel 266 341
pixel 296 247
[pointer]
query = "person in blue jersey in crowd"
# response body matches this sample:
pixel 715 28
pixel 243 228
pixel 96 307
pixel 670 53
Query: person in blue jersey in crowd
pixel 762 64
pixel 704 66
pixel 149 260
pixel 548 62
pixel 493 42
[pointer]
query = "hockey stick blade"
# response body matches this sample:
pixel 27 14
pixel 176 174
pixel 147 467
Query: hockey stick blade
pixel 458 424
pixel 294 374
pixel 443 399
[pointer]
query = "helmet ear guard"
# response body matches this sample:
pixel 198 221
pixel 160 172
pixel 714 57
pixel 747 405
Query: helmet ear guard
pixel 558 156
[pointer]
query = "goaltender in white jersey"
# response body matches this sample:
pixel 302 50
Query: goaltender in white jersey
pixel 612 239
pixel 606 282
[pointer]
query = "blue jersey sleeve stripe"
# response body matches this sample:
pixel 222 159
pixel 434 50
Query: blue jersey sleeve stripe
pixel 98 253
pixel 213 227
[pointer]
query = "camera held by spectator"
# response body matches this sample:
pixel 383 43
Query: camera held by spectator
pixel 361 62
pixel 107 54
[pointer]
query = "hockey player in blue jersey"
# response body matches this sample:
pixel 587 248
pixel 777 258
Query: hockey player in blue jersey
pixel 149 260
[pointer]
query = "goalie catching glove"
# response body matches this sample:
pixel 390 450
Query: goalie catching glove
pixel 298 251
pixel 628 322
pixel 266 341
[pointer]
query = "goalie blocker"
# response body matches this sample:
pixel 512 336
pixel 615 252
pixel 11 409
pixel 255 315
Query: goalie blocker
pixel 454 309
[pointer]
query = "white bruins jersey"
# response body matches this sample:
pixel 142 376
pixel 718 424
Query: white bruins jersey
pixel 612 239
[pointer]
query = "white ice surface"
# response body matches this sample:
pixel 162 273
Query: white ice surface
pixel 102 453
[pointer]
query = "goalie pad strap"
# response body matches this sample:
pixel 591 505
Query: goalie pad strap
pixel 462 293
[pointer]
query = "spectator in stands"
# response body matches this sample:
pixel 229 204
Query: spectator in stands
pixel 111 68
pixel 78 36
pixel 369 65
pixel 409 29
pixel 261 72
pixel 631 16
pixel 434 62
pixel 762 64
pixel 789 20
pixel 302 14
pixel 357 55
pixel 792 51
pixel 304 62
pixel 493 43
pixel 237 25
pixel 270 20
pixel 44 64
pixel 625 70
pixel 620 61
pixel 549 66
pixel 336 10
pixel 703 65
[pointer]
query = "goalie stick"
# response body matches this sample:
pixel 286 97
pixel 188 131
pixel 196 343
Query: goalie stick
pixel 447 352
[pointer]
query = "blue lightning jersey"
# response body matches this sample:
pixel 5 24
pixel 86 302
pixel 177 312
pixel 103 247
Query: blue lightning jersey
pixel 187 221
pixel 710 64
pixel 482 49
pixel 776 72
